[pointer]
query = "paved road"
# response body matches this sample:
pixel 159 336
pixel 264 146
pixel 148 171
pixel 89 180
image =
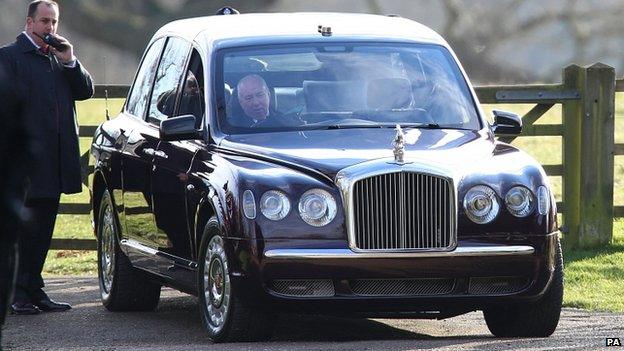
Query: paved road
pixel 176 326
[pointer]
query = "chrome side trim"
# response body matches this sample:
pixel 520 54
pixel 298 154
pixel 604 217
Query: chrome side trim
pixel 139 247
pixel 148 251
pixel 463 251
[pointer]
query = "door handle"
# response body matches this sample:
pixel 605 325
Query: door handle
pixel 152 152
pixel 161 154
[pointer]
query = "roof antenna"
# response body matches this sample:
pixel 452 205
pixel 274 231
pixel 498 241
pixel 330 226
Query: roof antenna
pixel 325 31
pixel 106 91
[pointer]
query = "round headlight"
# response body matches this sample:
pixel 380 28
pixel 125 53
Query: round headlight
pixel 481 204
pixel 519 201
pixel 317 207
pixel 274 205
pixel 249 204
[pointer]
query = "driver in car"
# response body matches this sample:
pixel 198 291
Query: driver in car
pixel 254 98
pixel 251 106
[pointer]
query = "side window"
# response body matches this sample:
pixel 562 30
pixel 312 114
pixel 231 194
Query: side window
pixel 168 78
pixel 137 102
pixel 192 99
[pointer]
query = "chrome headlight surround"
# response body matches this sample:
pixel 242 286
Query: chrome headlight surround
pixel 481 204
pixel 519 201
pixel 274 205
pixel 317 207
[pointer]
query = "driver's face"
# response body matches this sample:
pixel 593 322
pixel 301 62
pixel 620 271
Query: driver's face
pixel 254 99
pixel 45 21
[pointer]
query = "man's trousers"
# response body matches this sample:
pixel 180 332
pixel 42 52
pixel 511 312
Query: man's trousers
pixel 34 243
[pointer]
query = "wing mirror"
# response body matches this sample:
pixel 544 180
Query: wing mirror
pixel 179 128
pixel 506 123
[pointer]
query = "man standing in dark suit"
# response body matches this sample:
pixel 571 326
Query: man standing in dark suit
pixel 13 161
pixel 48 81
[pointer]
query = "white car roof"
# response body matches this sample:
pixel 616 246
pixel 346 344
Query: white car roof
pixel 212 28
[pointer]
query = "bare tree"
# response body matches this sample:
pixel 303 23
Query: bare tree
pixel 128 25
pixel 481 31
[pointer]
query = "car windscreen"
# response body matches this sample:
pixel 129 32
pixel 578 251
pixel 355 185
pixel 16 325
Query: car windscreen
pixel 341 85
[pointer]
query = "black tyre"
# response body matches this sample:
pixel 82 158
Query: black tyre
pixel 122 287
pixel 535 319
pixel 225 317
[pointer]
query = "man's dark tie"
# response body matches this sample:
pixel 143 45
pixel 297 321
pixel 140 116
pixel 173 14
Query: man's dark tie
pixel 45 49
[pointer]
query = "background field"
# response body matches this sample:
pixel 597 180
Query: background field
pixel 594 278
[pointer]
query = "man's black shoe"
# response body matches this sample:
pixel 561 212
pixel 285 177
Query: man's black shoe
pixel 23 308
pixel 47 305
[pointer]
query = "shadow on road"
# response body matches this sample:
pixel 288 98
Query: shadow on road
pixel 176 325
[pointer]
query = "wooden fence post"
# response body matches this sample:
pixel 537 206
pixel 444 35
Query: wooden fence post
pixel 588 146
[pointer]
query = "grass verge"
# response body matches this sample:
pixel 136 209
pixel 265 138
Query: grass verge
pixel 594 278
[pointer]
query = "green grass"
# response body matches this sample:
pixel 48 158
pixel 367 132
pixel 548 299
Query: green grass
pixel 70 262
pixel 594 278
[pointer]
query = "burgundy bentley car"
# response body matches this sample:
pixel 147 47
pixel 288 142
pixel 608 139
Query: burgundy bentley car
pixel 319 163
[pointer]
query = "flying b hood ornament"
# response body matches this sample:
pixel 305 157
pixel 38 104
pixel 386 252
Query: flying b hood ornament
pixel 399 145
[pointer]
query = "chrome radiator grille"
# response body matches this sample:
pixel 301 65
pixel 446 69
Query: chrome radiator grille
pixel 403 211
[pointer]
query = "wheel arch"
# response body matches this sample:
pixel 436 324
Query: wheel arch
pixel 99 185
pixel 205 211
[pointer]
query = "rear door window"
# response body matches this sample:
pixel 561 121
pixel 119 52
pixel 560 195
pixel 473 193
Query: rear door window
pixel 168 78
pixel 139 96
pixel 192 96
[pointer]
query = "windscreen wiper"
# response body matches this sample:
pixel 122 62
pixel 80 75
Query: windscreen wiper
pixel 382 125
pixel 430 126
pixel 351 126
pixel 421 125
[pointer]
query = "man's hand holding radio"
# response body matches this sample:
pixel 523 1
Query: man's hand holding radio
pixel 65 56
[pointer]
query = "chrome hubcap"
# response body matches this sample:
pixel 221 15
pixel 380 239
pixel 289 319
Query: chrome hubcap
pixel 216 278
pixel 107 256
pixel 217 286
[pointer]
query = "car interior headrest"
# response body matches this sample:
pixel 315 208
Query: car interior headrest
pixel 334 96
pixel 389 93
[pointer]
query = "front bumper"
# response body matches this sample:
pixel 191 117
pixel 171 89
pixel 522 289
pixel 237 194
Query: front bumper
pixel 517 267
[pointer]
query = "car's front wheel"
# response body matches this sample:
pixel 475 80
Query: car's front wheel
pixel 534 319
pixel 122 288
pixel 224 315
